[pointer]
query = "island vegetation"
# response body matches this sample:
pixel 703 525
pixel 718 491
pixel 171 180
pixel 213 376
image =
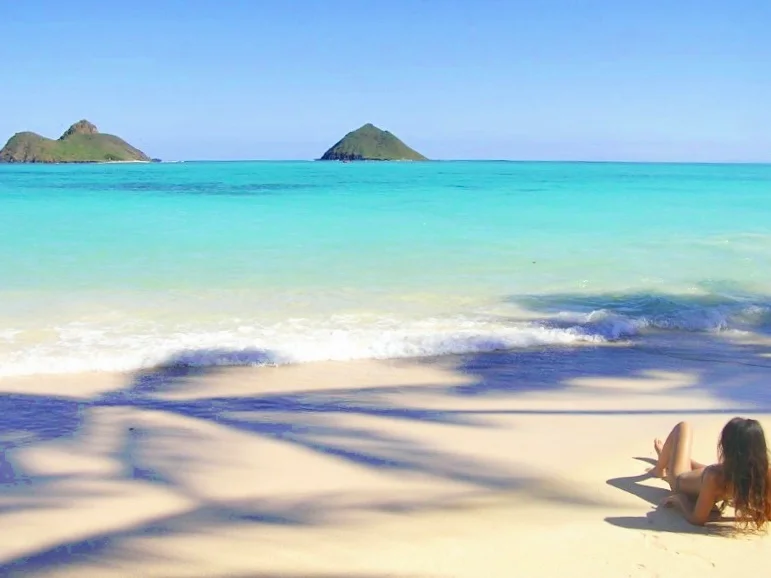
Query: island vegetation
pixel 370 143
pixel 81 143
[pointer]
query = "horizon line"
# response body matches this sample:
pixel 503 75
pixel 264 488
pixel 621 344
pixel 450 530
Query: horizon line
pixel 462 160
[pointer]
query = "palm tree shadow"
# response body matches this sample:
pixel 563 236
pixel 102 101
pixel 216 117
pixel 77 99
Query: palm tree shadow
pixel 311 420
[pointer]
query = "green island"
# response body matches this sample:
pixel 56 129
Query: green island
pixel 81 143
pixel 369 143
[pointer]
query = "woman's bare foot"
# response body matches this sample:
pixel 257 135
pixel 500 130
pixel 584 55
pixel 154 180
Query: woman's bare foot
pixel 658 445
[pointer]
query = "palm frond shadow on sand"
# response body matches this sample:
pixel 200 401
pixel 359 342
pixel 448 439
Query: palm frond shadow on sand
pixel 306 419
pixel 311 420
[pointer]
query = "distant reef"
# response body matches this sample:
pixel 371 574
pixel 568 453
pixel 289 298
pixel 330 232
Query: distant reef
pixel 369 143
pixel 81 143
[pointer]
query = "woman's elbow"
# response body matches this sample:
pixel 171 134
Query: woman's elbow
pixel 697 520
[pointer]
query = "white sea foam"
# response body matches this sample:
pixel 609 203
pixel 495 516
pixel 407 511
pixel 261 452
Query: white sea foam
pixel 83 348
pixel 80 346
pixel 8 334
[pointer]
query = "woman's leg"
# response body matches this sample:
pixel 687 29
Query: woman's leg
pixel 675 454
pixel 658 445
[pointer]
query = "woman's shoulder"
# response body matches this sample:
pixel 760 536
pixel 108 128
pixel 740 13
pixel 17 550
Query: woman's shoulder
pixel 713 477
pixel 713 474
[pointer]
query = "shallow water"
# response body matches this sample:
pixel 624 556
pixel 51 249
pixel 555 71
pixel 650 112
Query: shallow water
pixel 113 267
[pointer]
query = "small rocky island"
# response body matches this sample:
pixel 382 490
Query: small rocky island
pixel 81 143
pixel 369 143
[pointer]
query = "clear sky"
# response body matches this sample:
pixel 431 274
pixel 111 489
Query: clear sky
pixel 537 79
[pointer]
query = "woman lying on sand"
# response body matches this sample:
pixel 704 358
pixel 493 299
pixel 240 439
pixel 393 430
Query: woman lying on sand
pixel 740 478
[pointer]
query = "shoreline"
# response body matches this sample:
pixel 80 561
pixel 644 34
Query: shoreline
pixel 14 163
pixel 468 465
pixel 743 346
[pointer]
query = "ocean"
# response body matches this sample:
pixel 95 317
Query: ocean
pixel 124 266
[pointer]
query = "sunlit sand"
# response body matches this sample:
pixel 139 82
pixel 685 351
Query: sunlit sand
pixel 529 463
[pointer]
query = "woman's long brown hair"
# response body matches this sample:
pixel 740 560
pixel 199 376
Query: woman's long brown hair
pixel 744 457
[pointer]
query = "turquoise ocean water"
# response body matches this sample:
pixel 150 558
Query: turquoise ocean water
pixel 116 267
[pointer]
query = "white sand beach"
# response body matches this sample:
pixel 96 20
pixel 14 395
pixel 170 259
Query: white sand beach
pixel 496 465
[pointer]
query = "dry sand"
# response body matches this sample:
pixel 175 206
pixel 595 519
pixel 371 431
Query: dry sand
pixel 517 464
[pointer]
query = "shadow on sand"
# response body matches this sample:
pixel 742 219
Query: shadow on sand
pixel 311 420
pixel 662 519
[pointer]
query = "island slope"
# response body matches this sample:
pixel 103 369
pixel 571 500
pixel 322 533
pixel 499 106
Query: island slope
pixel 81 143
pixel 369 143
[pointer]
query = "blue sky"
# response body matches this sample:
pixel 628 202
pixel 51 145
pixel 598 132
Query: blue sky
pixel 549 79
